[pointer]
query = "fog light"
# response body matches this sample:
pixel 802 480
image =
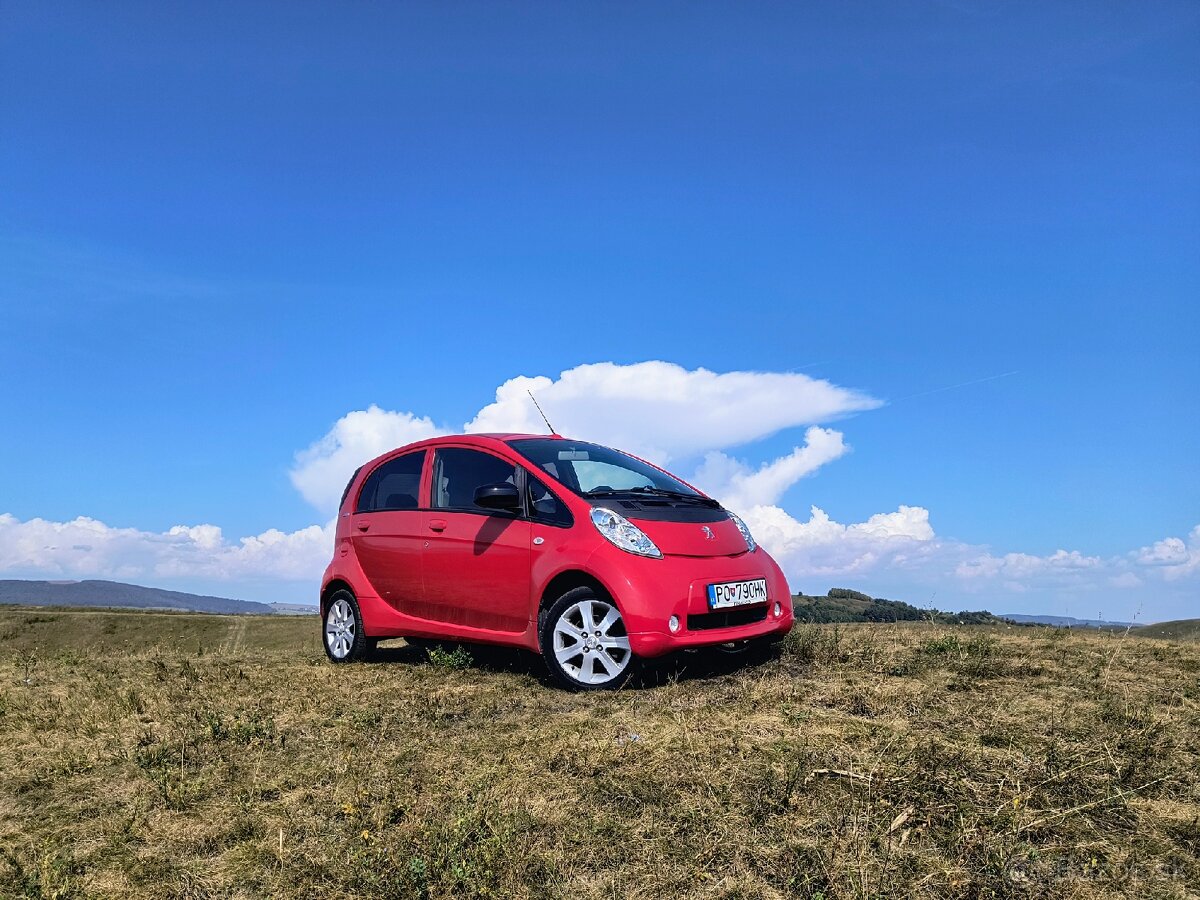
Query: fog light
pixel 673 624
pixel 778 609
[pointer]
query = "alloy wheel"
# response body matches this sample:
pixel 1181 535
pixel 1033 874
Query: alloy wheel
pixel 590 643
pixel 340 627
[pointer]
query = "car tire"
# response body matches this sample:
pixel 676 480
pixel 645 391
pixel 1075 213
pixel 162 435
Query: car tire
pixel 342 633
pixel 584 642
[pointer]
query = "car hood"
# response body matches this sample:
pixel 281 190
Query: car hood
pixel 719 538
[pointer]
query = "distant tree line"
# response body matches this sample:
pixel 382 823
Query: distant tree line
pixel 845 605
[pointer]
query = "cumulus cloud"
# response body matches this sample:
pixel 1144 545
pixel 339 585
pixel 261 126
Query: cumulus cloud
pixel 663 411
pixel 1173 556
pixel 658 410
pixel 821 546
pixel 902 547
pixel 739 487
pixel 1022 566
pixel 668 414
pixel 321 471
pixel 1167 552
pixel 88 548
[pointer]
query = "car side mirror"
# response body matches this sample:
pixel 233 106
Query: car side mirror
pixel 502 495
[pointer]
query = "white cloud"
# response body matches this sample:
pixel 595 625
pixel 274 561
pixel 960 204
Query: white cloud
pixel 738 487
pixel 1022 566
pixel 901 549
pixel 1175 558
pixel 88 548
pixel 665 412
pixel 821 546
pixel 1167 552
pixel 657 410
pixel 669 415
pixel 321 471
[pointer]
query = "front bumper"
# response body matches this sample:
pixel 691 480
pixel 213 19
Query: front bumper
pixel 657 643
pixel 651 591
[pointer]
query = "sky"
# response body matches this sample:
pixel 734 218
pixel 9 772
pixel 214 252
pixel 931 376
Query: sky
pixel 913 287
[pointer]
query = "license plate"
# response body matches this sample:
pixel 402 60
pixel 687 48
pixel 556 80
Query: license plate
pixel 737 593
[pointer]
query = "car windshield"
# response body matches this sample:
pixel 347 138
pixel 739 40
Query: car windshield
pixel 592 470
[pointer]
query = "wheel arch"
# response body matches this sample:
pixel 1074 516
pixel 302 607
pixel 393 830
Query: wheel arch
pixel 332 588
pixel 564 581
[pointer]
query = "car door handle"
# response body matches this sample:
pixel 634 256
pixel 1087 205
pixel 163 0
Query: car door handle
pixel 437 524
pixel 364 526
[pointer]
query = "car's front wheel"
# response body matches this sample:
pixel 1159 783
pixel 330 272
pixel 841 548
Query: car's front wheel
pixel 345 640
pixel 584 642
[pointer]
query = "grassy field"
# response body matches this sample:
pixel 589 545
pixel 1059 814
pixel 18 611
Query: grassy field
pixel 174 755
pixel 1181 629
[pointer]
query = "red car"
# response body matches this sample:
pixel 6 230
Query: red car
pixel 587 555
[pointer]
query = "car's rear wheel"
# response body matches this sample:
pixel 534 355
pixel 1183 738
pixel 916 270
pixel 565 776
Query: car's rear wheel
pixel 344 638
pixel 584 642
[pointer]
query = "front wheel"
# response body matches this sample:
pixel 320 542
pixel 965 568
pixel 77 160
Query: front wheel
pixel 345 641
pixel 584 642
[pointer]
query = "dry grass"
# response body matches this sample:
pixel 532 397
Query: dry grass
pixel 226 758
pixel 1181 629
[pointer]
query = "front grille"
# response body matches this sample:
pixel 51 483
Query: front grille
pixel 727 618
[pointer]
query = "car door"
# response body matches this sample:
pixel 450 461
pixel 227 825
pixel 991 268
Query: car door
pixel 476 561
pixel 387 531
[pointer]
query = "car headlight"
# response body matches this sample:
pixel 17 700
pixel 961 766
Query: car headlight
pixel 751 545
pixel 623 533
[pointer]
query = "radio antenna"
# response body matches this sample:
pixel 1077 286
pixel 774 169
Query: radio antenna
pixel 539 409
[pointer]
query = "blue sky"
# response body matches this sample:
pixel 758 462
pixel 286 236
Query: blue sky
pixel 222 230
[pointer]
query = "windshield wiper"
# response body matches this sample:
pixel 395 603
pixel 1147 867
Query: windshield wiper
pixel 656 491
pixel 677 495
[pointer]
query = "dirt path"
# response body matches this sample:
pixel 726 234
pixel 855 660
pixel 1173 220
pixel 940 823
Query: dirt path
pixel 235 642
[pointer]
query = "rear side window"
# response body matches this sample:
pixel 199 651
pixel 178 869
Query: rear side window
pixel 458 472
pixel 394 485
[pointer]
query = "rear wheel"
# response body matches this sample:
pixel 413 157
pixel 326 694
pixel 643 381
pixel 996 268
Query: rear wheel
pixel 344 638
pixel 584 642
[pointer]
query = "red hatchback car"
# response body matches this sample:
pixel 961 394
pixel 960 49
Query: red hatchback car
pixel 585 554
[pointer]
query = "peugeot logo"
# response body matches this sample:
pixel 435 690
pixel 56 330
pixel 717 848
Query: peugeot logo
pixel 708 533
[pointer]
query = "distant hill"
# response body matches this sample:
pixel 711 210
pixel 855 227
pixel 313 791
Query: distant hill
pixel 845 605
pixel 114 593
pixel 1065 621
pixel 1180 629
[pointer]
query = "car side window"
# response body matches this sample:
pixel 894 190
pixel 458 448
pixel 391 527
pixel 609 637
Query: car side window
pixel 394 485
pixel 544 506
pixel 458 473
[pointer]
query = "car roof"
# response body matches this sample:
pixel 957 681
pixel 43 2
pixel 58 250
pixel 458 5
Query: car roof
pixel 508 436
pixel 479 439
